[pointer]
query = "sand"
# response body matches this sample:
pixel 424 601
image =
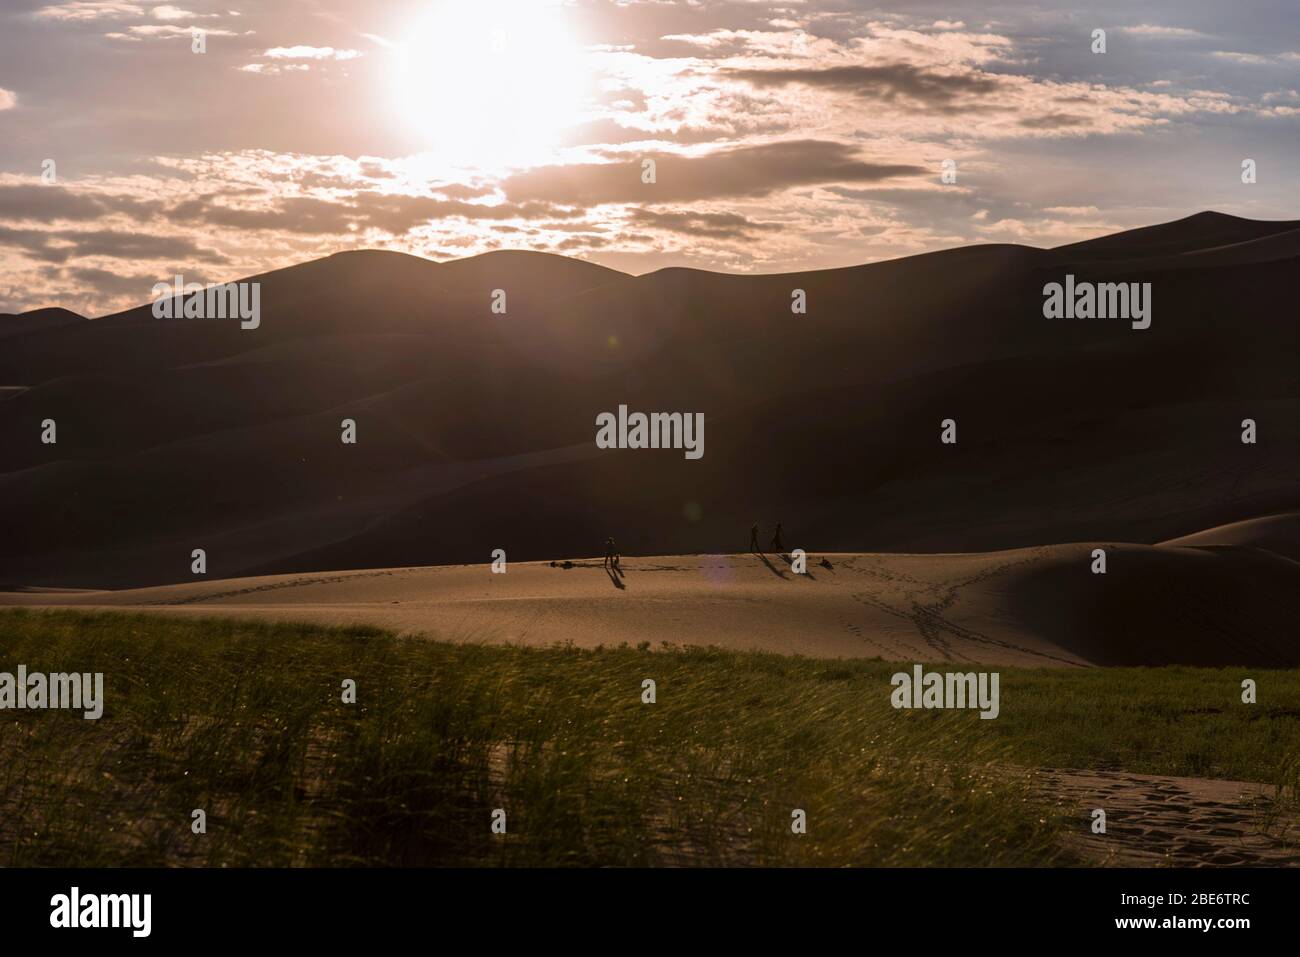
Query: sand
pixel 1157 820
pixel 1030 607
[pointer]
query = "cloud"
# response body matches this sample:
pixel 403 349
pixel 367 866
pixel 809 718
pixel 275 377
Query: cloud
pixel 271 69
pixel 33 241
pixel 783 135
pixel 889 83
pixel 8 99
pixel 393 213
pixel 290 58
pixel 159 31
pixel 703 224
pixel 310 53
pixel 400 214
pixel 168 12
pixel 40 203
pixel 58 246
pixel 85 10
pixel 1169 33
pixel 1055 121
pixel 296 214
pixel 1259 59
pixel 106 282
pixel 741 171
pixel 608 132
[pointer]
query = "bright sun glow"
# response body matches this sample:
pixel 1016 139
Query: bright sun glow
pixel 491 83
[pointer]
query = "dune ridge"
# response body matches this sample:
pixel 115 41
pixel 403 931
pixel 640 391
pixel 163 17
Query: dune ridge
pixel 1232 604
pixel 476 430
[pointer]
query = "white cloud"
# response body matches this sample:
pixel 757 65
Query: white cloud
pixel 8 99
pixel 1258 59
pixel 270 69
pixel 1155 30
pixel 162 32
pixel 82 10
pixel 310 53
pixel 168 12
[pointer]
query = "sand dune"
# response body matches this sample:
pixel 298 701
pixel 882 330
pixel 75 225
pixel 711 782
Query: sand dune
pixel 476 429
pixel 1034 607
pixel 1275 533
pixel 36 320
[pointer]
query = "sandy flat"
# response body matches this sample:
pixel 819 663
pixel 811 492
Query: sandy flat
pixel 1154 820
pixel 1033 607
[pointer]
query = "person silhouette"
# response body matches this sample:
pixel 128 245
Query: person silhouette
pixel 611 553
pixel 753 539
pixel 777 544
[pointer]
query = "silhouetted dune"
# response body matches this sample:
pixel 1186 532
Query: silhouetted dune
pixel 476 429
pixel 1279 534
pixel 1201 231
pixel 36 320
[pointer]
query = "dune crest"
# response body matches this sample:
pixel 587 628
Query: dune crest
pixel 474 385
pixel 1039 606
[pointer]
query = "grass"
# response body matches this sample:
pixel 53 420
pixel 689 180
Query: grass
pixel 245 720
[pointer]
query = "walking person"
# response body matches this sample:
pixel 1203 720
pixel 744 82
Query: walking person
pixel 753 539
pixel 777 545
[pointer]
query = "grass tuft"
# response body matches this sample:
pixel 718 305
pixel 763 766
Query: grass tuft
pixel 245 720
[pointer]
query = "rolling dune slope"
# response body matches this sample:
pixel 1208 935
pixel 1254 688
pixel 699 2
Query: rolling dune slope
pixel 1040 606
pixel 476 430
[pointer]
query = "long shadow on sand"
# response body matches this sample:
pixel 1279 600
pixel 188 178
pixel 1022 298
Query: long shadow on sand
pixel 806 573
pixel 770 567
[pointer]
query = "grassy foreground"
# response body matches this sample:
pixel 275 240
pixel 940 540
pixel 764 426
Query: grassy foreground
pixel 247 722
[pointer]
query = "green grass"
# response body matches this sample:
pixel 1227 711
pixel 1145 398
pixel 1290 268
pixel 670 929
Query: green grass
pixel 246 721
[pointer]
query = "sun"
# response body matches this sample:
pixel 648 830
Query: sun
pixel 491 83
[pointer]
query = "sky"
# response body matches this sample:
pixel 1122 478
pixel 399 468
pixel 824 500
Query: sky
pixel 781 136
